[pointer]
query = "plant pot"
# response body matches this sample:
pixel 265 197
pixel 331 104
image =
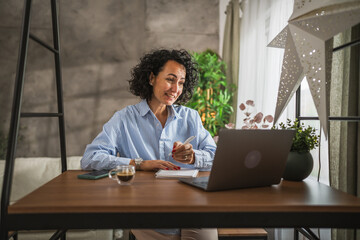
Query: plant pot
pixel 298 166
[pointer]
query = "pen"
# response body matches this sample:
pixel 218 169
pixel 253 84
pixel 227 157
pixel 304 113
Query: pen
pixel 189 140
pixel 186 141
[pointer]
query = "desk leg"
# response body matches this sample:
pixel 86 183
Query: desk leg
pixel 296 234
pixel 306 232
pixel 59 234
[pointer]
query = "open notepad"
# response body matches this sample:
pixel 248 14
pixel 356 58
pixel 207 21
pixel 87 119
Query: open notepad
pixel 184 173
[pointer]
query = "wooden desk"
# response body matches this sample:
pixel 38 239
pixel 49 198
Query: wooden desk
pixel 71 203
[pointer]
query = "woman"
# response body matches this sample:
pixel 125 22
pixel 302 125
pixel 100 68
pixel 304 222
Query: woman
pixel 155 129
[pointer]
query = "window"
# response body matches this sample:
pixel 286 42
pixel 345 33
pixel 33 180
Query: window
pixel 308 110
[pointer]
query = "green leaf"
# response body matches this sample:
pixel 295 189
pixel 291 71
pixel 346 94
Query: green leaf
pixel 305 139
pixel 212 77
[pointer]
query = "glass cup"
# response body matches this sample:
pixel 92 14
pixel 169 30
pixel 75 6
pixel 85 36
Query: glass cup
pixel 123 174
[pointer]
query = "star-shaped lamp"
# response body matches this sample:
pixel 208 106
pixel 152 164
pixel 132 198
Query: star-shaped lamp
pixel 307 40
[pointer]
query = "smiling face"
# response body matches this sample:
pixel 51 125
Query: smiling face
pixel 168 84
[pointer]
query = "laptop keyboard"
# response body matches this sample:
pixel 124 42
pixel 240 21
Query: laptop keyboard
pixel 201 181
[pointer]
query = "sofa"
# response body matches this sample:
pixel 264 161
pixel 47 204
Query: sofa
pixel 31 173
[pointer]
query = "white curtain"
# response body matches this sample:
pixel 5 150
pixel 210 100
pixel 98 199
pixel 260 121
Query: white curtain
pixel 259 65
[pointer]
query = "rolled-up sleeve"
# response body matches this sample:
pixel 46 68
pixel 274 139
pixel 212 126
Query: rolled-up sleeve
pixel 205 152
pixel 102 152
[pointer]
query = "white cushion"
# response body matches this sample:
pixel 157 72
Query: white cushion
pixel 31 173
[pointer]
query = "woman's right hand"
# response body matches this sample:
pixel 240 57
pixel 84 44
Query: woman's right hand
pixel 153 165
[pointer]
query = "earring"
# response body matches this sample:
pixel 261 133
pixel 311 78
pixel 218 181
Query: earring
pixel 150 83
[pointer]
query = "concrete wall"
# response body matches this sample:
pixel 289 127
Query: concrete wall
pixel 101 40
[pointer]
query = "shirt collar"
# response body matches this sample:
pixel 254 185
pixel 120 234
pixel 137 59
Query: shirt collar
pixel 144 109
pixel 174 113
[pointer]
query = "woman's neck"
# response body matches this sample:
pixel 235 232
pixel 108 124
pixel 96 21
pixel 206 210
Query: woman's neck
pixel 160 111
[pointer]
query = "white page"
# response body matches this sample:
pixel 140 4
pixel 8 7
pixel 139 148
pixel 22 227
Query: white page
pixel 185 173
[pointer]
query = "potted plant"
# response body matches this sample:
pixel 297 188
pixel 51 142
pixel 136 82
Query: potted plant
pixel 300 162
pixel 212 97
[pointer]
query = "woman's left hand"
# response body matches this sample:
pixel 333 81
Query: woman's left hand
pixel 183 153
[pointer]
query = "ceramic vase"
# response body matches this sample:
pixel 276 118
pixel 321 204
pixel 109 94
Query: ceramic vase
pixel 298 166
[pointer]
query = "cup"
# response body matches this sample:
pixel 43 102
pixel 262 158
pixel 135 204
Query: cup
pixel 123 174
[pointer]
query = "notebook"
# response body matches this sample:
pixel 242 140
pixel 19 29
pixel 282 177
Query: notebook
pixel 246 158
pixel 183 173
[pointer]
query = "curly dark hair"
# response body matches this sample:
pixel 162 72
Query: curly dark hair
pixel 154 62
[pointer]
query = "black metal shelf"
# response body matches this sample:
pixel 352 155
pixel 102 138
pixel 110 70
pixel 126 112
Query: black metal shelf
pixel 25 115
pixel 33 37
pixel 349 118
pixel 306 231
pixel 16 109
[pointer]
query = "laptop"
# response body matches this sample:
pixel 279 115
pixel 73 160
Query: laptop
pixel 246 158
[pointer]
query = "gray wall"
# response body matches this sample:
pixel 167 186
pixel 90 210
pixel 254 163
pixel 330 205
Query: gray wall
pixel 101 40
